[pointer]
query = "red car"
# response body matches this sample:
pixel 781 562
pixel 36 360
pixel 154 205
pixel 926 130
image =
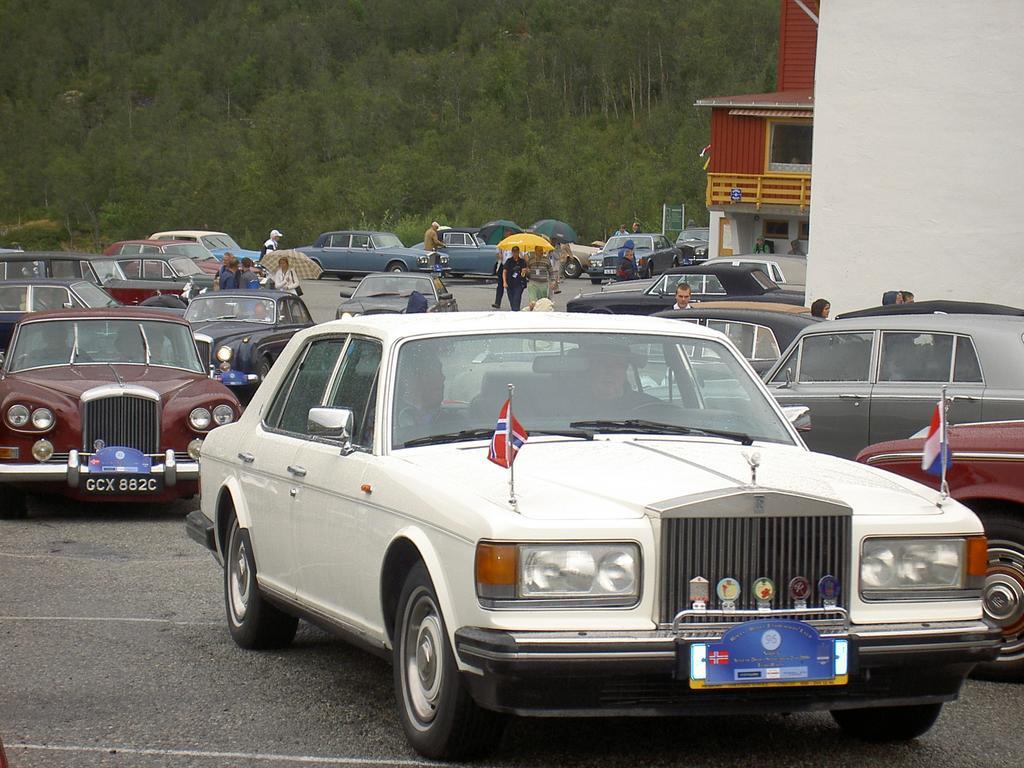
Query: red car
pixel 154 267
pixel 986 474
pixel 105 405
pixel 141 249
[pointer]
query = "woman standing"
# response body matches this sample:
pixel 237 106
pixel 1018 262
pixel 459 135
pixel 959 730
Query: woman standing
pixel 284 277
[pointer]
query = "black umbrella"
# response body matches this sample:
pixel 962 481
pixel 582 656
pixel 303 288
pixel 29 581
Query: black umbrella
pixel 553 229
pixel 493 232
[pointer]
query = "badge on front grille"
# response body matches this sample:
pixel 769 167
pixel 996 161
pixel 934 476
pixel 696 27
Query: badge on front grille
pixel 764 591
pixel 799 591
pixel 700 589
pixel 728 591
pixel 828 589
pixel 98 445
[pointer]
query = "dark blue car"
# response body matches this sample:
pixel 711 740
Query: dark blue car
pixel 352 252
pixel 20 297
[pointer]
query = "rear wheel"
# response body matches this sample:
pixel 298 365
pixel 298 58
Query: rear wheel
pixel 13 505
pixel 1003 595
pixel 440 718
pixel 253 622
pixel 881 724
pixel 396 266
pixel 573 269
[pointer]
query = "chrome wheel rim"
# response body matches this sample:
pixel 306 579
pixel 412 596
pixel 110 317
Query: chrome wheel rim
pixel 572 269
pixel 239 579
pixel 1003 595
pixel 422 658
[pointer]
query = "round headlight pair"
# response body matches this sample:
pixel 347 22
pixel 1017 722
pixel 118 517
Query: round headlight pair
pixel 201 418
pixel 224 354
pixel 19 416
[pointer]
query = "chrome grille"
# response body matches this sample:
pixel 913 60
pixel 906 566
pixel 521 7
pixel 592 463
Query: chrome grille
pixel 747 548
pixel 204 352
pixel 124 420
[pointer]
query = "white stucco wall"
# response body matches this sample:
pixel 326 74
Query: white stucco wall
pixel 918 165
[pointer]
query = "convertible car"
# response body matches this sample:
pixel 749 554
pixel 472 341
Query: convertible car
pixel 696 558
pixel 105 405
pixel 240 333
pixel 707 283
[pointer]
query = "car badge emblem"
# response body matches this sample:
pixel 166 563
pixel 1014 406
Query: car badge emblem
pixel 828 590
pixel 699 592
pixel 771 640
pixel 764 591
pixel 754 460
pixel 728 591
pixel 799 591
pixel 98 445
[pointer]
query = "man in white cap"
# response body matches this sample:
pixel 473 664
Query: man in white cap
pixel 271 244
pixel 432 243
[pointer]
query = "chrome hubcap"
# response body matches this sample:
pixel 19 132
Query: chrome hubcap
pixel 422 659
pixel 239 580
pixel 1003 595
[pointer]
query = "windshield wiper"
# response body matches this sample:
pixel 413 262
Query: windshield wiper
pixel 657 428
pixel 145 343
pixel 385 293
pixel 450 437
pixel 74 347
pixel 583 434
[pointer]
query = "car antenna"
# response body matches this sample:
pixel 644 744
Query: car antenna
pixel 117 376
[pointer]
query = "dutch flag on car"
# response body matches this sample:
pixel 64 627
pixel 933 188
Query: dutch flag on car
pixel 936 444
pixel 508 438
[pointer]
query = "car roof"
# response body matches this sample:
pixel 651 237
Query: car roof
pixel 921 322
pixel 189 232
pixel 107 313
pixel 61 281
pixel 53 255
pixel 934 307
pixel 246 293
pixel 149 241
pixel 397 327
pixel 704 268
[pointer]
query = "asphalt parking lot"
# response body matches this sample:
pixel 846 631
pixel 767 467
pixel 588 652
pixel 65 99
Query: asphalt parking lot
pixel 115 653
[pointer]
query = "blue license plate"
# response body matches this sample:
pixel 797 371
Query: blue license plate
pixel 233 378
pixel 769 652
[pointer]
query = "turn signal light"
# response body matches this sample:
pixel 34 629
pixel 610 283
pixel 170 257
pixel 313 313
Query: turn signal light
pixel 496 570
pixel 977 556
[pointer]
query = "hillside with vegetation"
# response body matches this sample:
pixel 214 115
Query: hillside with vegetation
pixel 119 117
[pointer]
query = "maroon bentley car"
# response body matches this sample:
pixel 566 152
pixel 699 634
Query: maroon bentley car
pixel 986 474
pixel 105 405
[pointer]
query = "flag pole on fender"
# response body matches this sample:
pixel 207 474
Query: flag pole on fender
pixel 944 444
pixel 508 449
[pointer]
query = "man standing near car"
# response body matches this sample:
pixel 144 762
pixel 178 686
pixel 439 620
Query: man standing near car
pixel 432 243
pixel 539 271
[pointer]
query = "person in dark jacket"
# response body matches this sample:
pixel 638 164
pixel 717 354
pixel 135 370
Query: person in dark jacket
pixel 247 278
pixel 417 303
pixel 627 262
pixel 227 277
pixel 514 278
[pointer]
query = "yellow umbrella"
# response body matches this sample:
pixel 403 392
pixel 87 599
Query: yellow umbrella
pixel 526 242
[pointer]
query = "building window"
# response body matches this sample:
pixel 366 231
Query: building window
pixel 790 147
pixel 805 230
pixel 776 230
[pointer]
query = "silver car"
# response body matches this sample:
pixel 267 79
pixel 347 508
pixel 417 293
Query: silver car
pixel 878 378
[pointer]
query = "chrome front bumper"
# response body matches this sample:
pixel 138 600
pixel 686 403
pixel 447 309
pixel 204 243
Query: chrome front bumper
pixel 77 467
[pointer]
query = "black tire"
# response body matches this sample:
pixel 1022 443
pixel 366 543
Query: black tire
pixel 263 370
pixel 253 622
pixel 572 269
pixel 13 504
pixel 885 724
pixel 395 266
pixel 1003 595
pixel 440 718
pixel 597 280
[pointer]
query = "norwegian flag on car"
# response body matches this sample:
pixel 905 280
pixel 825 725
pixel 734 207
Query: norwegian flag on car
pixel 508 438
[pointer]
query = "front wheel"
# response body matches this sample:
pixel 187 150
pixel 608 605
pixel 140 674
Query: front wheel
pixel 1003 595
pixel 573 269
pixel 253 622
pixel 882 724
pixel 396 266
pixel 440 718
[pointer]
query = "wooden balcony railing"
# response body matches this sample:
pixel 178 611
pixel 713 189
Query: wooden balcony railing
pixel 759 189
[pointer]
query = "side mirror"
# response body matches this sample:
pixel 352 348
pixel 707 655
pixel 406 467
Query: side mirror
pixel 345 293
pixel 3 356
pixel 444 296
pixel 789 379
pixel 799 416
pixel 333 424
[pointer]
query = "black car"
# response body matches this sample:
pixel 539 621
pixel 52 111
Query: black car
pixel 20 297
pixel 61 264
pixel 760 330
pixel 937 307
pixel 707 283
pixel 693 242
pixel 240 333
pixel 389 293
pixel 653 253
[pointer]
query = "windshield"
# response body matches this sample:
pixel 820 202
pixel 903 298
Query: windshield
pixel 189 250
pixel 386 240
pixel 388 285
pixel 220 240
pixel 185 267
pixel 107 270
pixel 697 233
pixel 92 342
pixel 577 381
pixel 94 296
pixel 640 242
pixel 237 308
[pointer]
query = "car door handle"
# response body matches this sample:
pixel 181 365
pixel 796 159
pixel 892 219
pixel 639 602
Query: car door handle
pixel 849 396
pixel 248 458
pixel 968 398
pixel 297 471
pixel 293 492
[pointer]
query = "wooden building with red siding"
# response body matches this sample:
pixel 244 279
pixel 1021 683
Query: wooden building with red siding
pixel 759 173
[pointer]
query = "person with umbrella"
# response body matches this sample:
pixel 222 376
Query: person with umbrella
pixel 513 275
pixel 284 277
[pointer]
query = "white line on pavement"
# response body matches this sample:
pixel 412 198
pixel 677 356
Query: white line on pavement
pixel 309 759
pixel 127 619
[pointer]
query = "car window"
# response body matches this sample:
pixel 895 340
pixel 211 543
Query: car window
pixel 131 248
pixel 789 365
pixel 456 238
pixel 47 297
pixel 386 240
pixel 439 287
pixel 661 242
pixel 360 241
pixel 766 346
pixel 740 334
pixel 65 268
pixel 184 267
pixel 835 357
pixel 13 298
pixel 18 269
pixel 356 388
pixel 131 267
pixel 93 296
pixel 155 270
pixel 103 269
pixel 304 386
pixel 915 356
pixel 299 312
pixel 966 368
pixel 338 241
pixel 150 249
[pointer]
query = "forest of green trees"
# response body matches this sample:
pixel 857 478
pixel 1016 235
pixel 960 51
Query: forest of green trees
pixel 121 117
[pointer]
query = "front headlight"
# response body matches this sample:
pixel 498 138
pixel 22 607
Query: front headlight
pixel 424 259
pixel 223 414
pixel 199 419
pixel 905 568
pixel 561 575
pixel 224 354
pixel 596 262
pixel 17 416
pixel 42 418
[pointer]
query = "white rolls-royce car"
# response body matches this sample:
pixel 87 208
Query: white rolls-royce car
pixel 663 542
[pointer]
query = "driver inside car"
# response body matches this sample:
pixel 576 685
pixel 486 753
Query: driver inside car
pixel 611 391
